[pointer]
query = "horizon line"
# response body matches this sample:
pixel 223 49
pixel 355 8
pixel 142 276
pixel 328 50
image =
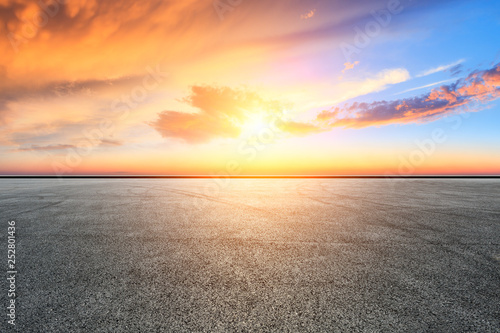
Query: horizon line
pixel 247 176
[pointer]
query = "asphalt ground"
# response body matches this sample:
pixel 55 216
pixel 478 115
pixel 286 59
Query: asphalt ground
pixel 253 255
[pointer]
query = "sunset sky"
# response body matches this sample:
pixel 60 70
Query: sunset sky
pixel 249 87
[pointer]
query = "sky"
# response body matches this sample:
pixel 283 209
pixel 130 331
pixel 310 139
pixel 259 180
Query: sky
pixel 240 87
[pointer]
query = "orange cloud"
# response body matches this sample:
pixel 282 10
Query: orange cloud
pixel 348 66
pixel 308 15
pixel 195 128
pixel 223 113
pixel 55 40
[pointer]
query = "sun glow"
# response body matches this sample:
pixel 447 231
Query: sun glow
pixel 255 124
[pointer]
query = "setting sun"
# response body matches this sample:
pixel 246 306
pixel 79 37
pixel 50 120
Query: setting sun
pixel 255 124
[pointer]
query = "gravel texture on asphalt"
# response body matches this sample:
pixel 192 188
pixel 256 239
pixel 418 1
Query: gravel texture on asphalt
pixel 254 255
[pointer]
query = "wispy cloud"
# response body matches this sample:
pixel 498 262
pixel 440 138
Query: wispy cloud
pixel 426 86
pixel 373 83
pixel 45 148
pixel 455 70
pixel 110 142
pixel 440 68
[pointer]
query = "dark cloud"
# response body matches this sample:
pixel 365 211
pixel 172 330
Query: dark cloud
pixel 456 70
